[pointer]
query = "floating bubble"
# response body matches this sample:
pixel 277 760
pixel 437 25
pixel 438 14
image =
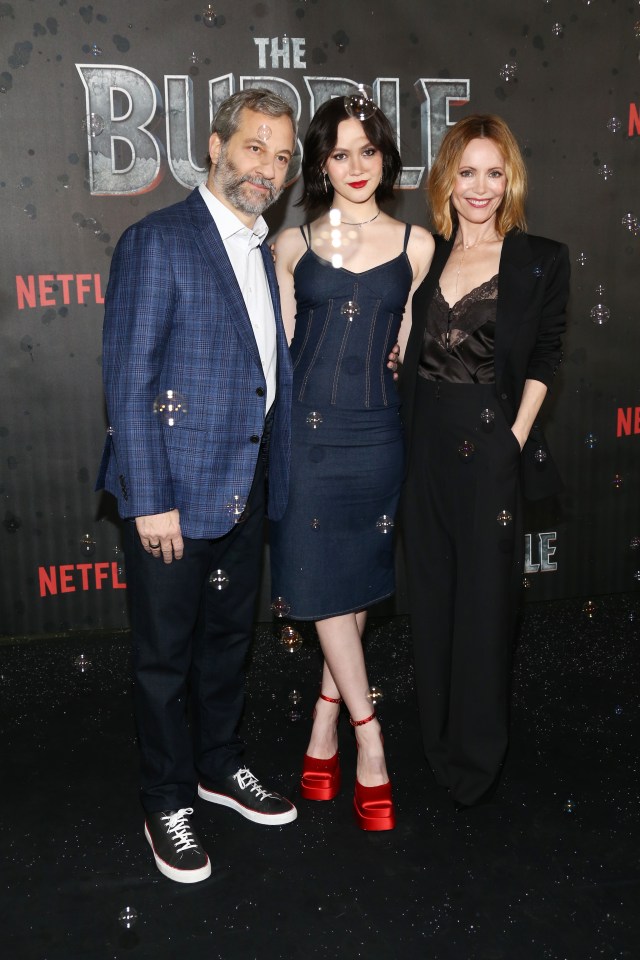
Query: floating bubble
pixel 295 697
pixel 605 171
pixel 315 524
pixel 600 290
pixel 589 609
pixel 540 455
pixel 88 545
pixel 96 51
pixel 171 406
pixel 335 217
pixel 636 29
pixel 350 309
pixel 360 105
pixel 630 221
pixel 600 314
pixel 127 918
pixel 557 29
pixel 193 57
pixel 375 696
pixel 290 638
pixel 538 271
pixel 581 259
pixel 236 508
pixel 504 518
pixel 384 524
pixel 219 580
pixel 614 124
pixel 569 806
pixel 314 419
pixel 336 261
pixel 93 124
pixel 487 416
pixel 526 582
pixel 634 543
pixel 294 715
pixel 591 441
pixel 617 481
pixel 280 607
pixel 209 16
pixel 636 575
pixel 466 450
pixel 617 710
pixel 336 238
pixel 82 663
pixel 264 132
pixel 508 71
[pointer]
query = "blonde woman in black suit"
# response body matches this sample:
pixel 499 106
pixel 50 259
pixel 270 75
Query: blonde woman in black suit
pixel 484 346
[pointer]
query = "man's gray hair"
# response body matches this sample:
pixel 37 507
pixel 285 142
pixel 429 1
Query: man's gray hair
pixel 228 118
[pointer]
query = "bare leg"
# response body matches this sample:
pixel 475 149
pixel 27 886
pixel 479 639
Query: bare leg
pixel 345 675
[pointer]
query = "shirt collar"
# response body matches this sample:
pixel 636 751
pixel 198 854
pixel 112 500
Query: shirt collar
pixel 229 224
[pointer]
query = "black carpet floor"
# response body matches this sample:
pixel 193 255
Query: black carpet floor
pixel 548 871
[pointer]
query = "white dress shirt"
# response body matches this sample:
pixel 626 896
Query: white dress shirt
pixel 243 249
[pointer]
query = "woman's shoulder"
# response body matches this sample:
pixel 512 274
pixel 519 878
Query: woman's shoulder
pixel 540 246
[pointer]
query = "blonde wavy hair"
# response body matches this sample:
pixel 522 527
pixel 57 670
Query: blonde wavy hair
pixel 510 214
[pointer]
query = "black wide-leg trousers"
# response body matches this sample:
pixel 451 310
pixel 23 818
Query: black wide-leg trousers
pixel 462 532
pixel 190 643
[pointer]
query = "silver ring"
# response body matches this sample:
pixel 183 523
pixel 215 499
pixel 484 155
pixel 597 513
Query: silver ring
pixel 154 546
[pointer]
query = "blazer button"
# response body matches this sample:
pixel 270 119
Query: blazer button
pixel 260 392
pixel 255 438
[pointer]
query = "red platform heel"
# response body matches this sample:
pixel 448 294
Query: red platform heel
pixel 321 778
pixel 373 806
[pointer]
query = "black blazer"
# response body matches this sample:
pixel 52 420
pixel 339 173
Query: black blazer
pixel 533 289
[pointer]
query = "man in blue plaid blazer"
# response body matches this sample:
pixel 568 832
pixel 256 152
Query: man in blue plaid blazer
pixel 197 380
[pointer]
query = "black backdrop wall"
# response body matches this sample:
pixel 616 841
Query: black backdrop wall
pixel 104 114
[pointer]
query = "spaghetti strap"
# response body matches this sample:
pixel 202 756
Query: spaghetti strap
pixel 407 231
pixel 307 241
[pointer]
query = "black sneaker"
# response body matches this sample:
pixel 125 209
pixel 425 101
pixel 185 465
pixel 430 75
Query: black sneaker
pixel 176 847
pixel 242 793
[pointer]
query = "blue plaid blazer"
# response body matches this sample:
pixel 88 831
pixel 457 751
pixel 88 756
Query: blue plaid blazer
pixel 175 319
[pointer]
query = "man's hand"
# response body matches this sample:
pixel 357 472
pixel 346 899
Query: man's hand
pixel 160 535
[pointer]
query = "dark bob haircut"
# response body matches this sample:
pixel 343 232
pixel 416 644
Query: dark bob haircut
pixel 322 137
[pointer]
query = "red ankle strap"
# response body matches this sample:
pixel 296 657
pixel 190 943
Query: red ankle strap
pixel 330 699
pixel 358 723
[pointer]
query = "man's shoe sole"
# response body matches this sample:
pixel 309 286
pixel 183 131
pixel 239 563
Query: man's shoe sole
pixel 271 819
pixel 174 873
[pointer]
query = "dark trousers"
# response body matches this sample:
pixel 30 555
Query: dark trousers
pixel 462 531
pixel 190 643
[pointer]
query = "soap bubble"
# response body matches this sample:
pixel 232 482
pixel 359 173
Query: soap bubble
pixel 360 105
pixel 290 639
pixel 314 419
pixel 504 518
pixel 82 663
pixel 280 607
pixel 466 450
pixel 589 609
pixel 487 416
pixel 96 51
pixel 93 124
pixel 591 441
pixel 236 508
pixel 219 580
pixel 605 171
pixel 569 806
pixel 617 481
pixel 614 125
pixel 88 545
pixel 375 696
pixel 557 29
pixel 540 455
pixel 508 71
pixel 128 917
pixel 209 16
pixel 170 406
pixel 581 259
pixel 384 524
pixel 350 309
pixel 264 132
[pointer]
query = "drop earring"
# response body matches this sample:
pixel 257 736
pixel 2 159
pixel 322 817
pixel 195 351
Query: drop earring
pixel 324 182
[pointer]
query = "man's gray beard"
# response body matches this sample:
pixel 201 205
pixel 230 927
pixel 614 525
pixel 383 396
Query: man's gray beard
pixel 229 182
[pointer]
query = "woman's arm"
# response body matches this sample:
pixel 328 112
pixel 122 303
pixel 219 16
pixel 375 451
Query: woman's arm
pixel 420 252
pixel 288 249
pixel 532 396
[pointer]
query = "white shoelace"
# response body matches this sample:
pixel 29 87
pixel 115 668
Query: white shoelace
pixel 178 826
pixel 246 780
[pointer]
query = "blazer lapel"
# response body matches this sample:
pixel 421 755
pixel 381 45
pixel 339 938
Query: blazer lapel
pixel 516 282
pixel 215 255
